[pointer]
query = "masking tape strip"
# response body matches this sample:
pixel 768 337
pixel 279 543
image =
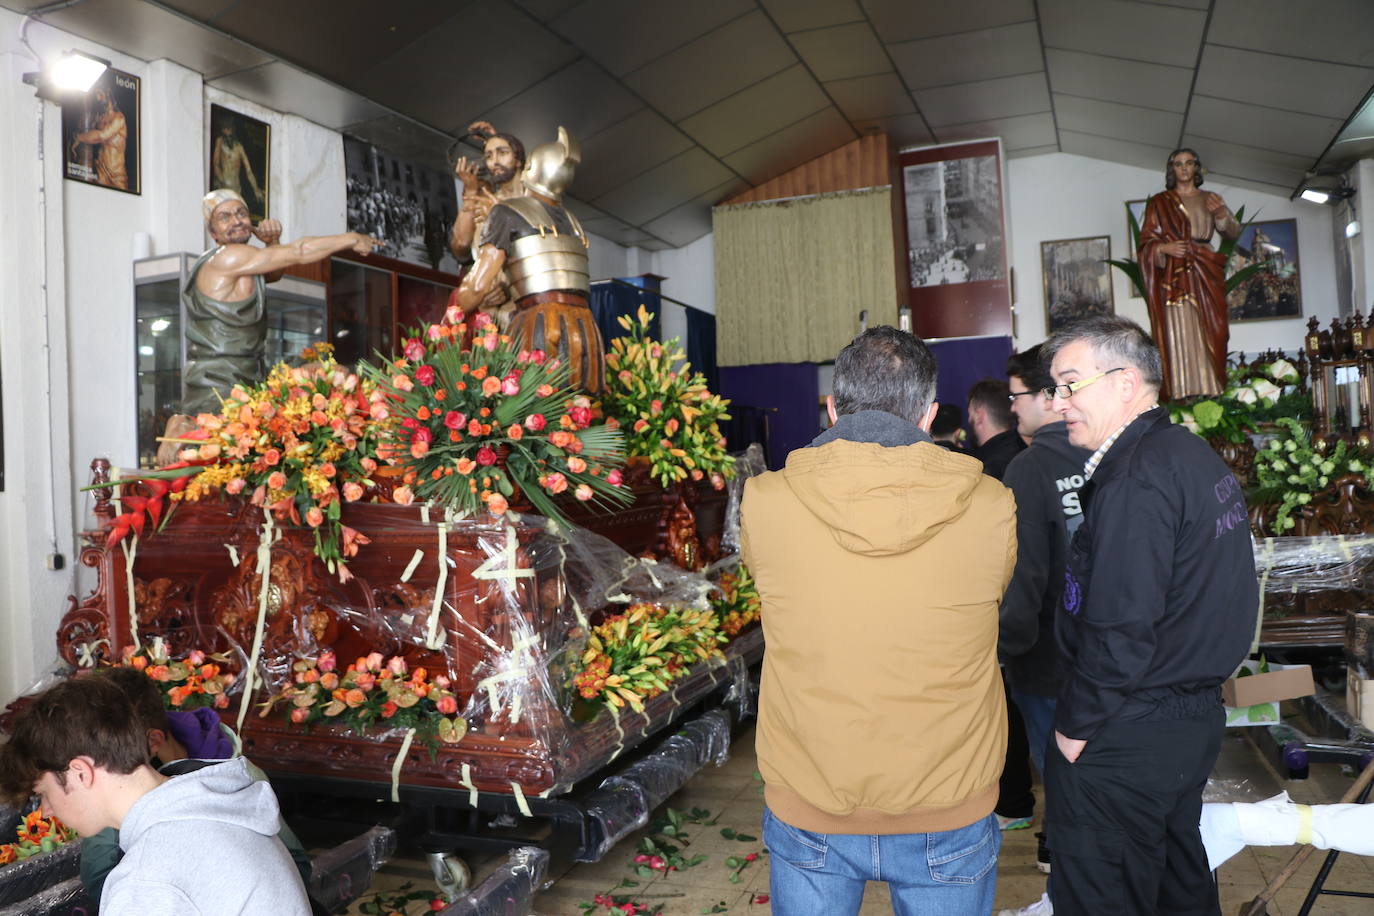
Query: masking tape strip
pixel 414 562
pixel 466 782
pixel 511 571
pixel 648 565
pixel 396 767
pixel 264 571
pixel 424 513
pixel 1345 548
pixel 85 652
pixel 114 491
pixel 489 685
pixel 619 732
pixel 520 802
pixel 1263 582
pixel 432 640
pixel 525 642
pixel 1304 825
pixel 233 554
pixel 515 705
pixel 131 551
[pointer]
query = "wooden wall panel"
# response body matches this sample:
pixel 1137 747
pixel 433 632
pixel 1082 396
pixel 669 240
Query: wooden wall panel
pixel 863 163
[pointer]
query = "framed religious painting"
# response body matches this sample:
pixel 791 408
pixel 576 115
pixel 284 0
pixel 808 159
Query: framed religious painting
pixel 1275 290
pixel 100 134
pixel 240 158
pixel 957 276
pixel 1077 280
pixel 1136 211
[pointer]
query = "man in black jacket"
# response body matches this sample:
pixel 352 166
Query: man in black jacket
pixel 989 416
pixel 1158 609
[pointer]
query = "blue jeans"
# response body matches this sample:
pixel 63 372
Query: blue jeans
pixel 1038 714
pixel 950 873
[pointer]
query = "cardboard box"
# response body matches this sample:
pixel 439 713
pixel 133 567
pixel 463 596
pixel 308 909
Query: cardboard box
pixel 1253 699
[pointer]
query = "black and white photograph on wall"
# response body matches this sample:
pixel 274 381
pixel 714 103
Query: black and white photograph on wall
pixel 240 158
pixel 410 207
pixel 1136 209
pixel 1077 279
pixel 100 134
pixel 1275 290
pixel 954 223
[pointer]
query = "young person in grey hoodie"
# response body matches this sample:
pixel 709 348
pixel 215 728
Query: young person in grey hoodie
pixel 83 749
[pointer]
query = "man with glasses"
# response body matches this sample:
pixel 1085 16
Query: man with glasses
pixel 1045 479
pixel 1158 608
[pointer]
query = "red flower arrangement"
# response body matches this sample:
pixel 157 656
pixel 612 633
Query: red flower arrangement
pixel 476 425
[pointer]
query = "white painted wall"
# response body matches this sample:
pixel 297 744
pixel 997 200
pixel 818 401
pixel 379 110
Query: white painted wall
pixel 1063 196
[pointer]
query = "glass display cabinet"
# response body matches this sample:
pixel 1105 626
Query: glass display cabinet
pixel 296 317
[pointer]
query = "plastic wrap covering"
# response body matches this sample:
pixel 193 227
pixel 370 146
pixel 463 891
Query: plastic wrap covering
pixel 509 889
pixel 748 464
pixel 1305 576
pixel 622 803
pixel 65 899
pixel 22 879
pixel 340 875
pixel 468 633
pixel 743 697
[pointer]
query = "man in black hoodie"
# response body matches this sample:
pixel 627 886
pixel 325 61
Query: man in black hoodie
pixel 1158 609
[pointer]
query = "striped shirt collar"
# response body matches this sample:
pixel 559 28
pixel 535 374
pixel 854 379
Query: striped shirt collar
pixel 1095 459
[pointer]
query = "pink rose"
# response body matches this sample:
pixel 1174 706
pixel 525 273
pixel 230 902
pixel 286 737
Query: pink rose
pixel 423 434
pixel 535 422
pixel 300 714
pixel 556 483
pixel 538 356
pixel 614 478
pixel 414 349
pixel 491 385
pixel 397 665
pixel 271 457
pixel 453 314
pixel 447 704
pixel 235 486
pixel 584 492
pixel 327 661
pixel 496 504
pixel 582 416
pixel 314 518
pixel 276 480
pixel 374 661
pixel 196 657
pixel 454 420
pixel 419 448
pixel 353 491
pixel 509 387
pixel 424 375
pixel 486 456
pixel 402 496
pixel 577 465
pixel 402 382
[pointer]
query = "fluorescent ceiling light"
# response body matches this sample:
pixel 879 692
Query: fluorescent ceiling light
pixel 76 71
pixel 1315 197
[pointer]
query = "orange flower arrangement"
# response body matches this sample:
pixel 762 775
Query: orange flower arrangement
pixel 372 692
pixel 189 683
pixel 36 834
pixel 738 604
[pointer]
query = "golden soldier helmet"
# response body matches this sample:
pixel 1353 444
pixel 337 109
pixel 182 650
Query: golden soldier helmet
pixel 549 170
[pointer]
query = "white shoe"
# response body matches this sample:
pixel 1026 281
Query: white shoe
pixel 1041 907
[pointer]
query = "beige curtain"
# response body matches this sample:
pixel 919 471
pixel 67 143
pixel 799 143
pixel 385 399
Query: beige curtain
pixel 793 275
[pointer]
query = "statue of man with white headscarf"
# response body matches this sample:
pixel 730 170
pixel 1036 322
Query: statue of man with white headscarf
pixel 225 296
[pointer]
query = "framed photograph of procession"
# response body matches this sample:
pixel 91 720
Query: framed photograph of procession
pixel 1077 280
pixel 240 158
pixel 1135 209
pixel 100 138
pixel 1275 290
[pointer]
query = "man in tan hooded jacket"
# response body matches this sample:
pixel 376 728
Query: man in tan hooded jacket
pixel 881 559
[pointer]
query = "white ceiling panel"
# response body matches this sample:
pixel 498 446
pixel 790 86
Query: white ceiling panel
pixel 842 51
pixel 1312 86
pixel 276 84
pixel 1112 119
pixel 870 97
pixel 660 189
pixel 760 110
pixel 1260 165
pixel 1339 31
pixel 1159 34
pixel 624 35
pixel 713 67
pixel 1267 128
pixel 999 98
pixel 586 98
pixel 800 142
pixel 904 130
pixel 969 56
pixel 1020 132
pixel 692 220
pixel 1140 154
pixel 903 20
pixel 1112 79
pixel 1032 151
pixel 797 15
pixel 622 151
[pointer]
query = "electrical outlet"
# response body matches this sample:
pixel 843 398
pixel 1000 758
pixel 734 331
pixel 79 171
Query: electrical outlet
pixel 56 561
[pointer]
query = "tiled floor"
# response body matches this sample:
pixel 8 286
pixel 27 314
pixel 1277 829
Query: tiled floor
pixel 732 794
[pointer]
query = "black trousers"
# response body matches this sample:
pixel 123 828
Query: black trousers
pixel 1125 816
pixel 1015 797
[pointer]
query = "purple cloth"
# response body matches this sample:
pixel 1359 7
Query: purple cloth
pixel 199 732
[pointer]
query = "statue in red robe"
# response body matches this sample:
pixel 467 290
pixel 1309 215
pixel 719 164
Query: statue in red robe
pixel 1185 279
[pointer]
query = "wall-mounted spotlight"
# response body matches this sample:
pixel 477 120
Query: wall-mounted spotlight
pixel 1325 188
pixel 73 72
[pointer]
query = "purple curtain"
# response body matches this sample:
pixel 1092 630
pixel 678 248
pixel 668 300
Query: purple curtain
pixel 964 362
pixel 784 395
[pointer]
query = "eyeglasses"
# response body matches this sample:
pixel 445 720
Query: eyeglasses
pixel 1011 398
pixel 1069 389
